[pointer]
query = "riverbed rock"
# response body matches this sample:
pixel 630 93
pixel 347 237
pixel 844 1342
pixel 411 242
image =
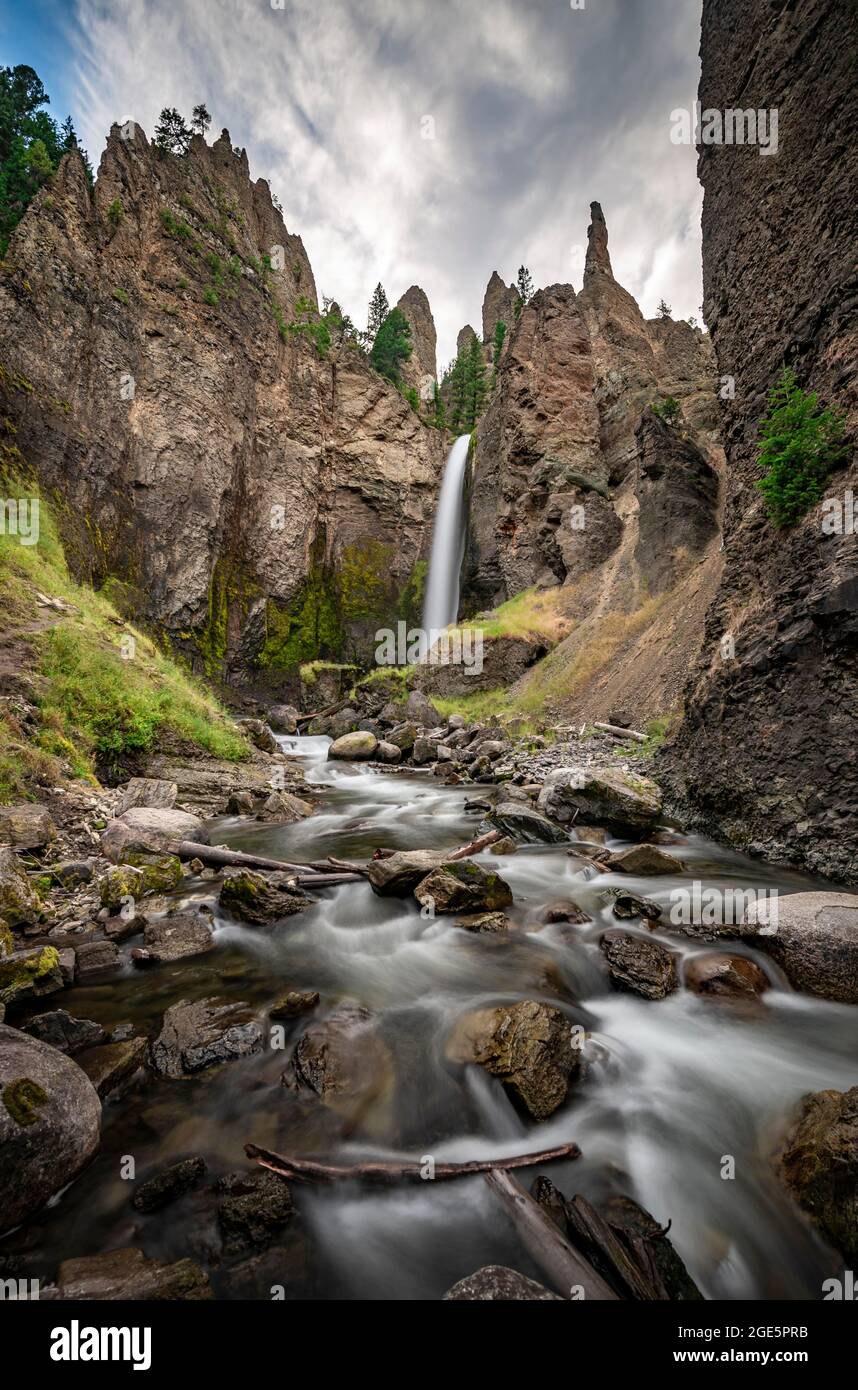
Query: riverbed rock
pixel 819 1165
pixel 399 873
pixel 124 925
pixel 50 1124
pixel 129 1275
pixel 463 886
pixel 645 860
pixel 420 710
pixel 175 937
pixel 261 898
pixel 203 1033
pixel 484 923
pixel 293 1004
pixel 527 1045
pixel 526 824
pixel 603 796
pixel 425 750
pixel 387 752
pixel 259 734
pixel 26 826
pixel 564 911
pixel 721 976
pixel 72 873
pixel 254 1209
pixel 240 804
pixel 342 1059
pixel 284 808
pixel 112 1066
pixel 94 960
pixel 628 905
pixel 168 1184
pixel 283 719
pixel 152 792
pixel 30 974
pixel 354 747
pixel 59 1029
pixel 639 966
pixel 403 736
pixel 813 937
pixel 505 845
pixel 497 1284
pixel 209 782
pixel 150 830
pixel 20 905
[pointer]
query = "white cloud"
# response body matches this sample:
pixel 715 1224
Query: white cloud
pixel 537 109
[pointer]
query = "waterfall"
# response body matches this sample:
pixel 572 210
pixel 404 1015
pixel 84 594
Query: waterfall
pixel 441 604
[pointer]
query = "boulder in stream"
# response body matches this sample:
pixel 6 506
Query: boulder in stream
pixel 639 966
pixel 168 1184
pixel 283 719
pixel 526 824
pixel 342 1059
pixel 645 860
pixel 399 873
pixel 200 1034
pixel 115 1066
pixel 50 1124
pixel 720 976
pixel 30 974
pixel 129 1275
pixel 527 1045
pixel 284 808
pixel 261 898
pixel 813 937
pixel 175 937
pixel 463 886
pixel 59 1029
pixel 253 1210
pixel 602 796
pixel 354 747
pixel 819 1165
pixel 151 830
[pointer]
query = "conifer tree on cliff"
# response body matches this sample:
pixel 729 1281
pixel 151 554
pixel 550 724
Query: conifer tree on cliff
pixel 392 345
pixel 524 284
pixel 200 119
pixel 172 136
pixel 377 313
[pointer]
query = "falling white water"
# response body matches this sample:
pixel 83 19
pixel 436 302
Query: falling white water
pixel 441 604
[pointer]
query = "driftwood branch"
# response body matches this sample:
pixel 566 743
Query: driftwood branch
pixel 617 732
pixel 221 858
pixel 596 1239
pixel 563 1266
pixel 463 851
pixel 310 1171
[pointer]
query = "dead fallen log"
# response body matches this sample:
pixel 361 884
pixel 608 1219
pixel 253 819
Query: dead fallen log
pixel 599 1243
pixel 564 1267
pixel 463 851
pixel 617 732
pixel 311 1171
pixel 322 713
pixel 220 858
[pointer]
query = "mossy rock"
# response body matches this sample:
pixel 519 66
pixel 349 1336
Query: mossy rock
pixel 259 898
pixel 21 1099
pixel 7 943
pixel 20 905
pixel 162 873
pixel 123 881
pixel 27 975
pixel 463 886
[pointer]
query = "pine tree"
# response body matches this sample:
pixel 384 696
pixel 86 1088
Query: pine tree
pixel 664 310
pixel 392 345
pixel 172 136
pixel 377 312
pixel 458 393
pixel 524 284
pixel 439 410
pixel 200 120
pixel 477 385
pixel 31 144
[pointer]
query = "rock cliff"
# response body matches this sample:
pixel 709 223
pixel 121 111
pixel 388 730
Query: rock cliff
pixel 765 756
pixel 421 369
pixel 255 492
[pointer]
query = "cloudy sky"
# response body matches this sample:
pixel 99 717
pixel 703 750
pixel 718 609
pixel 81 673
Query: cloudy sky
pixel 415 141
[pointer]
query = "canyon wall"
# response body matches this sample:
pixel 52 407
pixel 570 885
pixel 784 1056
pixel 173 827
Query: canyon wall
pixel 257 495
pixel 766 753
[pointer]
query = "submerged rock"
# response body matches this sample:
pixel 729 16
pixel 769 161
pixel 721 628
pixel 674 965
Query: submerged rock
pixel 463 886
pixel 164 1187
pixel 283 719
pixel 204 1033
pixel 819 1164
pixel 111 1067
pixel 724 977
pixel 261 898
pixel 639 966
pixel 813 937
pixel 485 923
pixel 604 796
pixel 527 1045
pixel 645 859
pixel 128 1275
pixel 255 1208
pixel 58 1029
pixel 343 1059
pixel 50 1124
pixel 294 1003
pixel 284 808
pixel 497 1284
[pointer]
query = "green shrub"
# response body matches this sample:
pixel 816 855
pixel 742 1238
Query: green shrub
pixel 115 212
pixel 121 297
pixel 668 411
pixel 210 296
pixel 800 444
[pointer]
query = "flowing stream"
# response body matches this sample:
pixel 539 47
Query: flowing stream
pixel 672 1087
pixel 441 604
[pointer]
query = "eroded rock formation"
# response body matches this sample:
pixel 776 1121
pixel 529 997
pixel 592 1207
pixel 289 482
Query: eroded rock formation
pixel 421 369
pixel 259 498
pixel 766 754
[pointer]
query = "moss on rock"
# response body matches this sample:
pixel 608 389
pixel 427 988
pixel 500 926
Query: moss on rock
pixel 21 1098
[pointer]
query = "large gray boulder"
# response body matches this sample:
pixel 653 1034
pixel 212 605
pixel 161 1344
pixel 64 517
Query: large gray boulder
pixel 26 826
pixel 204 1033
pixel 813 937
pixel 399 873
pixel 149 829
pixel 526 824
pixel 463 886
pixel 152 792
pixel 354 747
pixel 601 796
pixel 527 1045
pixel 50 1124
